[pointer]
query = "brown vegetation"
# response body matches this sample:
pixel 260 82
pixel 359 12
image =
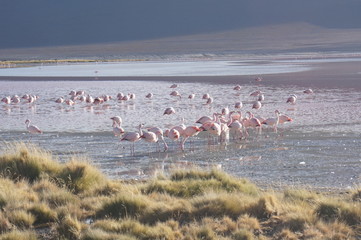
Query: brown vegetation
pixel 43 199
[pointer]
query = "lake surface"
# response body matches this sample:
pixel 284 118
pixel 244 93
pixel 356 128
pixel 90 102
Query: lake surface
pixel 320 147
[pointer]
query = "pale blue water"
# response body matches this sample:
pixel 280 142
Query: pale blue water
pixel 156 68
pixel 321 147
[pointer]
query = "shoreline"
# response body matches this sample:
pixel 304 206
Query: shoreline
pixel 321 75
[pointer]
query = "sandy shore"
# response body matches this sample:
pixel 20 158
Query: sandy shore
pixel 321 75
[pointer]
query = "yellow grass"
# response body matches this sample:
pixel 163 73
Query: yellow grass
pixel 75 200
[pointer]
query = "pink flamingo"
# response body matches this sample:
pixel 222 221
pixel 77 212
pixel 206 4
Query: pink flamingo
pixel 191 96
pixel 117 119
pixel 238 105
pixel 169 111
pixel 206 119
pixel 209 101
pixel 131 137
pixel 175 94
pixel 149 95
pixel 188 132
pixel 59 100
pixel 159 132
pixel 292 99
pixel 284 118
pixel 237 88
pixel 150 137
pixel 117 130
pixel 206 96
pixel 255 93
pixel 251 122
pixel 6 100
pixel 174 86
pixel 32 128
pixel 308 91
pixel 273 121
pixel 257 105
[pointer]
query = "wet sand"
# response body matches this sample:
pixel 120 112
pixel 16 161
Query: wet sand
pixel 321 75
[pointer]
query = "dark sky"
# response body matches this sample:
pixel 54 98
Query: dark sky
pixel 29 23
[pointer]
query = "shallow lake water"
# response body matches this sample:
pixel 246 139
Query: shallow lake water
pixel 319 148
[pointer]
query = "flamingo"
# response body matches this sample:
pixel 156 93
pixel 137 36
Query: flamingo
pixel 148 136
pixel 117 119
pixel 206 119
pixel 257 105
pixel 238 105
pixel 70 102
pixel 209 101
pixel 252 122
pixel 261 98
pixel 98 100
pixel 15 99
pixel 59 100
pixel 169 111
pixel 125 98
pixel 284 118
pixel 149 95
pixel 32 128
pixel 117 129
pixel 131 137
pixel 174 86
pixel 72 93
pixel 120 96
pixel 225 111
pixel 175 94
pixel 258 79
pixel 235 128
pixel 206 96
pixel 188 132
pixel 159 132
pixel 255 93
pixel 132 96
pixel 89 99
pixel 292 99
pixel 6 100
pixel 173 134
pixel 237 88
pixel 308 91
pixel 32 99
pixel 80 93
pixel 273 121
pixel 191 96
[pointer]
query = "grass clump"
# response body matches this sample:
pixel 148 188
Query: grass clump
pixel 69 228
pixel 193 183
pixel 28 162
pixel 19 235
pixel 80 176
pixel 43 213
pixel 124 206
pixel 21 219
pixel 336 211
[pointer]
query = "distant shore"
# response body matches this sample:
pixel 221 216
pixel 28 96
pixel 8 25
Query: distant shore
pixel 345 74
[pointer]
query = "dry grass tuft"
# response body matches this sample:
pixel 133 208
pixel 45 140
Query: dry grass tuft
pixel 265 207
pixel 21 219
pixel 26 161
pixel 80 176
pixel 19 235
pixel 43 213
pixel 69 228
pixel 124 206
